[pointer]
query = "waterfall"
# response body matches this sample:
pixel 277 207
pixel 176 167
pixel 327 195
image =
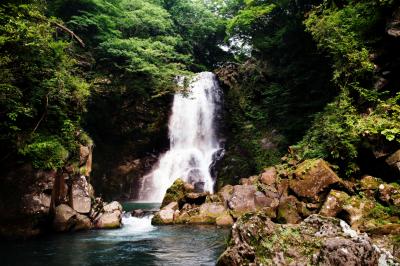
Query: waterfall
pixel 193 140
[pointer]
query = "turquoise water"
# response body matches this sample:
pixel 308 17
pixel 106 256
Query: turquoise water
pixel 137 243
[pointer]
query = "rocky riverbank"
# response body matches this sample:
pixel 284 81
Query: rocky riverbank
pixel 291 194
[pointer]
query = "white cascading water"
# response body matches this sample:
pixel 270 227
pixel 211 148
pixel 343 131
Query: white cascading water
pixel 193 141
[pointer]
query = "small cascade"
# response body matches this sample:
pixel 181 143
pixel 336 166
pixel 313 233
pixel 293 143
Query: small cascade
pixel 193 140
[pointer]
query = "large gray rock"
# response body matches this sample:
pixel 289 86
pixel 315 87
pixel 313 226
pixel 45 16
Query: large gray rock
pixel 64 218
pixel 242 200
pixel 81 195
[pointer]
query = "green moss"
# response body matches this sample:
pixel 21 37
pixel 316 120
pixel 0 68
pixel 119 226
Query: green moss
pixel 174 193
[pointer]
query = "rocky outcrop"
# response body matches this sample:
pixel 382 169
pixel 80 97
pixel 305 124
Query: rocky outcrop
pixel 318 240
pixel 67 219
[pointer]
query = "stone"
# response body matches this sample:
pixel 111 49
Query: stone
pixel 355 209
pixel 82 222
pixel 242 200
pixel 109 220
pixel 368 182
pixel 171 206
pixel 389 194
pixel 84 152
pixel 139 213
pixel 261 200
pixel 312 179
pixel 334 203
pixel 81 201
pixel 199 187
pixel 268 177
pixel 194 198
pixel 394 160
pixel 188 187
pixel 225 193
pixel 224 220
pixel 175 192
pixel 112 207
pixel 163 217
pixel 110 217
pixel 34 203
pixel 288 210
pixel 212 210
pixel 318 240
pixel 244 182
pixel 64 218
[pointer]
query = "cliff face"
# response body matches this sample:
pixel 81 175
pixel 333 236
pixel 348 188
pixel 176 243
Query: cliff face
pixel 35 201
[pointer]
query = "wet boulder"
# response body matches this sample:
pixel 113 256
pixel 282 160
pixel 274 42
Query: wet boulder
pixel 110 217
pixel 312 180
pixel 163 217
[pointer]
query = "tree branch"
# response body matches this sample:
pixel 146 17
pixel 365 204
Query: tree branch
pixel 70 32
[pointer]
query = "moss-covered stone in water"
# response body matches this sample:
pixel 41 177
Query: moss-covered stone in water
pixel 174 193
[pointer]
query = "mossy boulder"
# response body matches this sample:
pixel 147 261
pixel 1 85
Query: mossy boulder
pixel 334 202
pixel 175 192
pixel 312 181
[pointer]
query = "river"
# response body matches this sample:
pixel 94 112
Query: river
pixel 136 243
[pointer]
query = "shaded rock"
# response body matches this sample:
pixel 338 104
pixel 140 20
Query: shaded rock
pixel 225 193
pixel 81 201
pixel 385 229
pixel 318 240
pixel 390 194
pixel 175 192
pixel 194 198
pixel 394 161
pixel 288 210
pixel 268 177
pixel 393 26
pixel 242 200
pixel 199 187
pixel 261 200
pixel 139 213
pixel 355 209
pixel 334 203
pixel 312 179
pixel 64 218
pixel 82 222
pixel 36 203
pixel 84 152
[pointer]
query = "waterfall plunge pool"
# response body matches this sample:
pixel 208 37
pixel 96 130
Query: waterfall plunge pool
pixel 136 243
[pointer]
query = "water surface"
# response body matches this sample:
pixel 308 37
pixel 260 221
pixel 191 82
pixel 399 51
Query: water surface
pixel 137 243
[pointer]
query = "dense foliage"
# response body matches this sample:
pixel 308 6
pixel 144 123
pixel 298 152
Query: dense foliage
pixel 42 94
pixel 319 76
